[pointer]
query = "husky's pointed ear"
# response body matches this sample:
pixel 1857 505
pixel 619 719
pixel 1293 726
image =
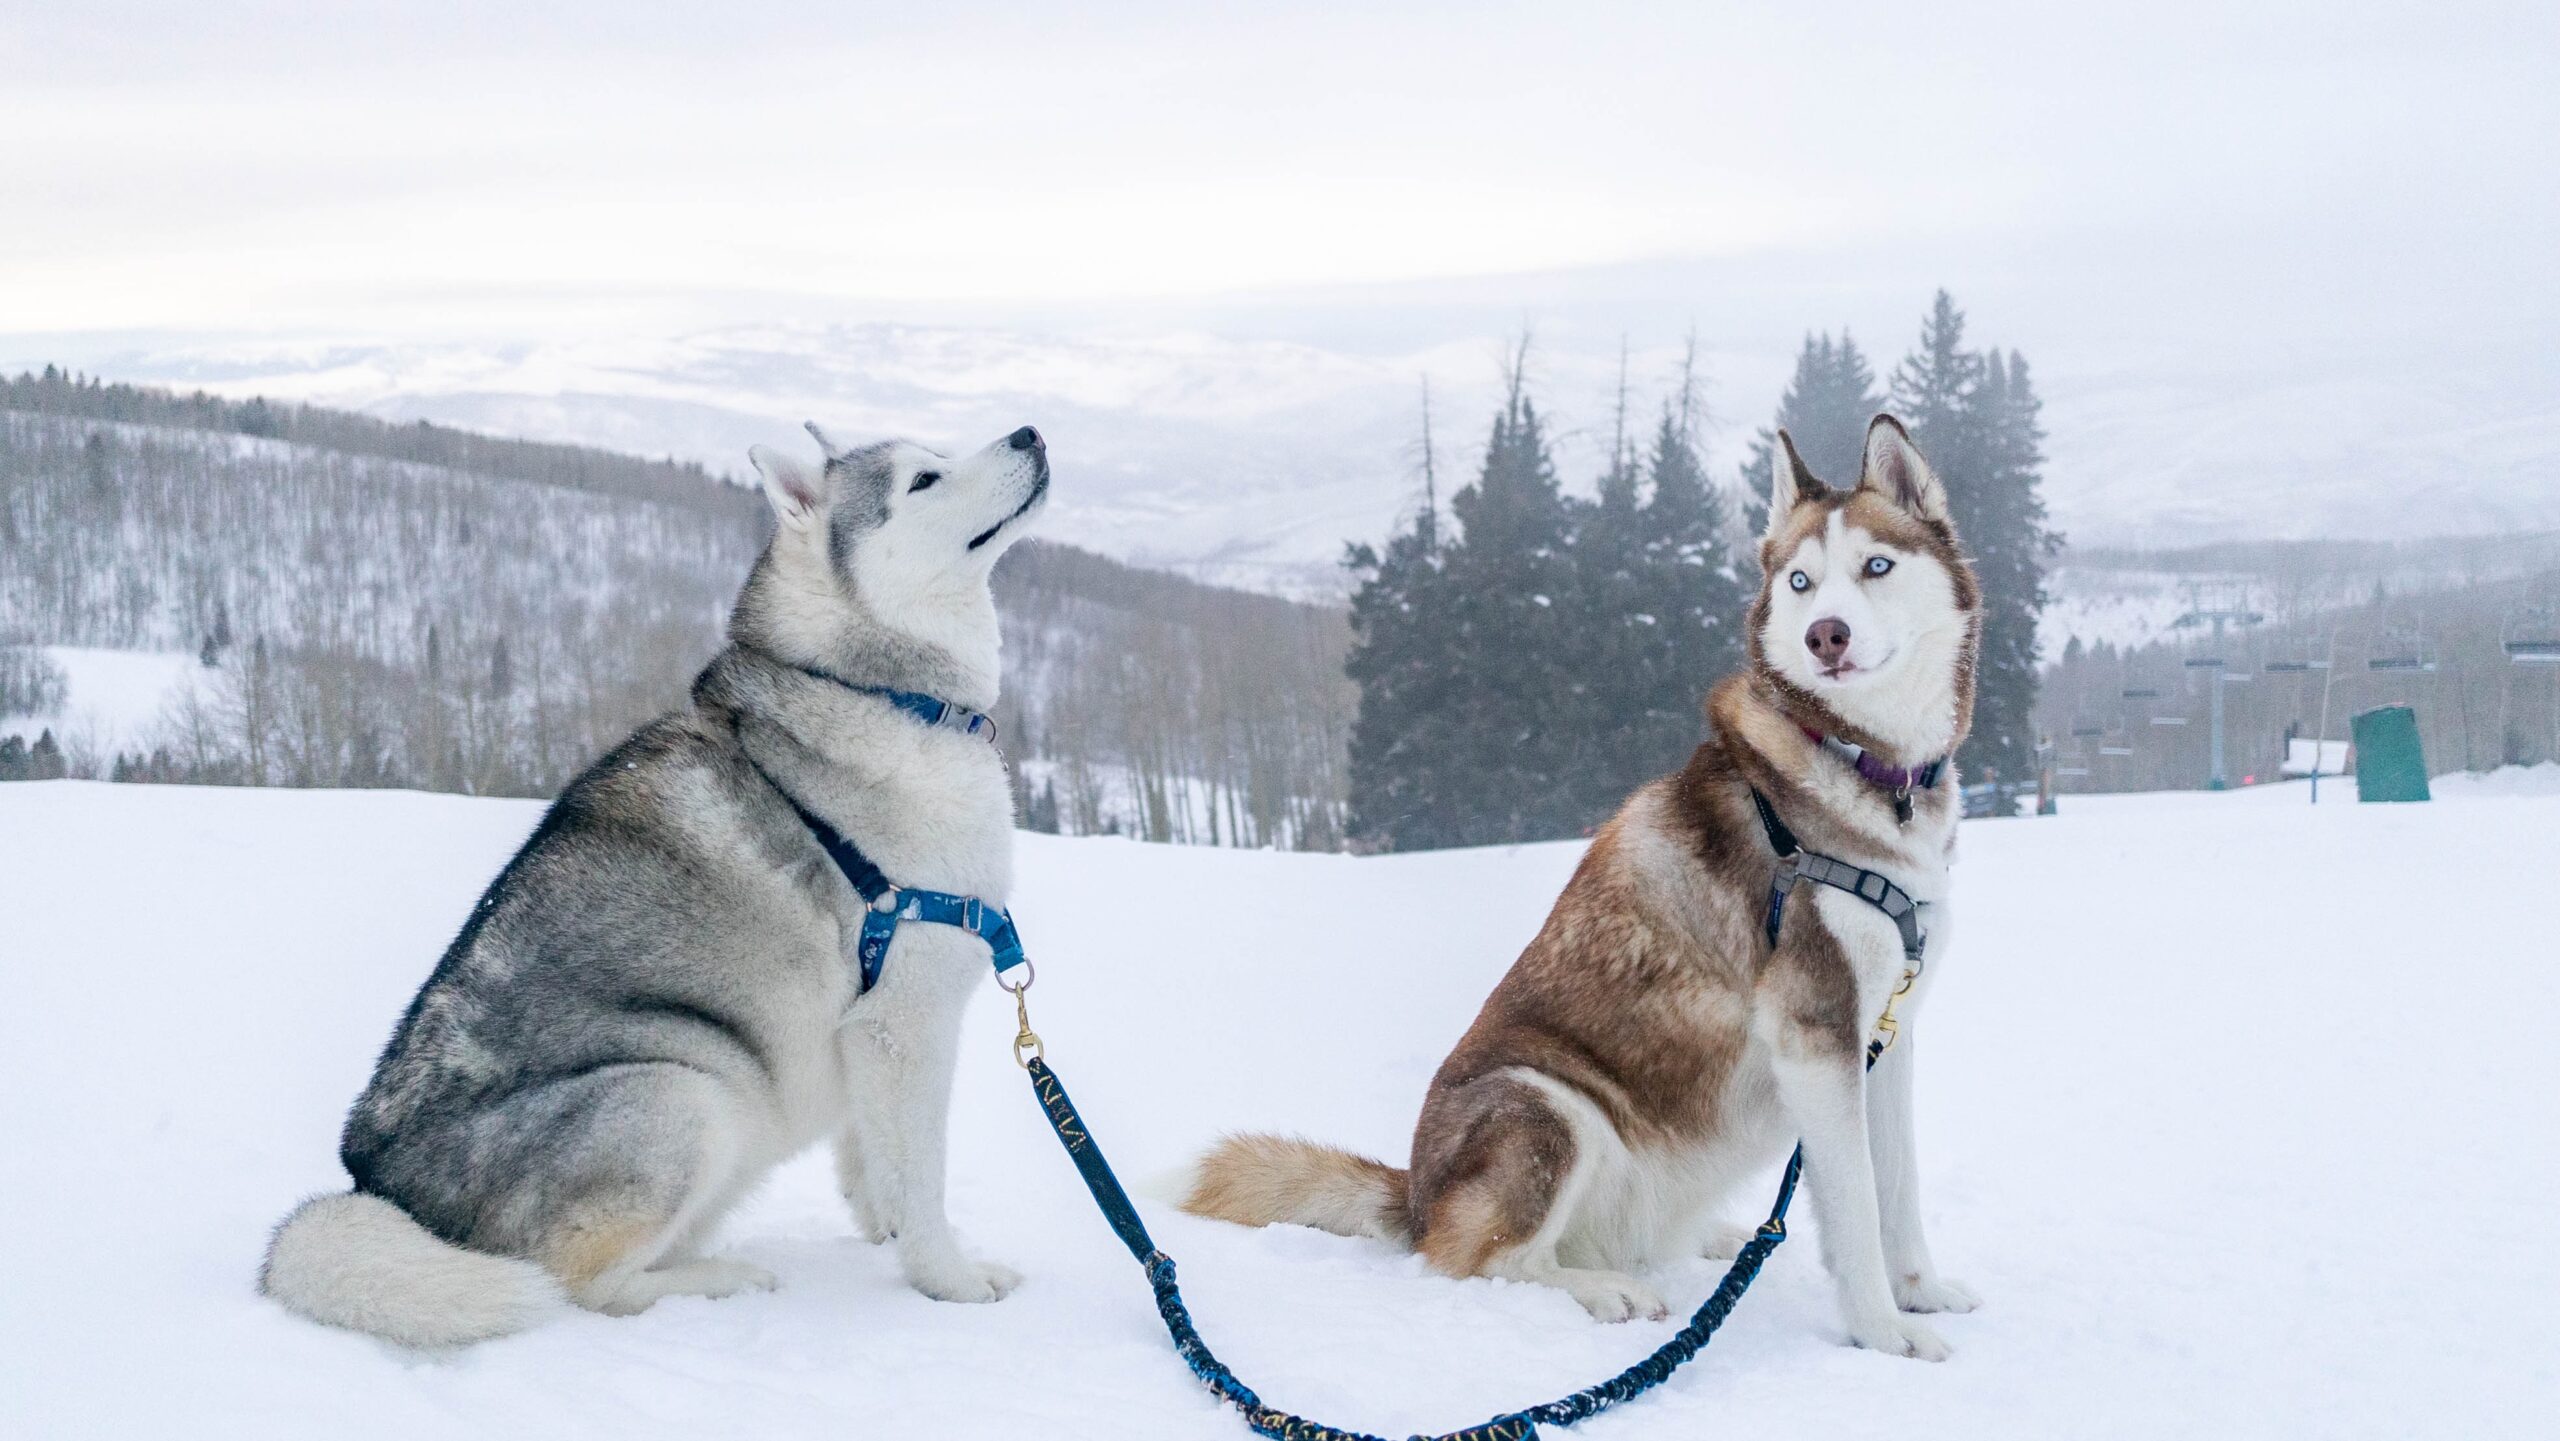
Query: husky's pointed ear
pixel 1895 470
pixel 790 483
pixel 1791 483
pixel 826 443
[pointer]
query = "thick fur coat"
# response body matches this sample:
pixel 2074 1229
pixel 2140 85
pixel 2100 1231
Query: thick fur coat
pixel 656 1001
pixel 1651 1048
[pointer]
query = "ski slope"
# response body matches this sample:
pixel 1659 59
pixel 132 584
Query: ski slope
pixel 2237 1112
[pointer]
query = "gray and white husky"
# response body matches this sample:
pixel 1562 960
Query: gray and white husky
pixel 657 1000
pixel 1653 1047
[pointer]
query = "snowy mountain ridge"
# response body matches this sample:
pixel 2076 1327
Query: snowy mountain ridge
pixel 1252 460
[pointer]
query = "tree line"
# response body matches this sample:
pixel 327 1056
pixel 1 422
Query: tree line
pixel 434 609
pixel 1528 662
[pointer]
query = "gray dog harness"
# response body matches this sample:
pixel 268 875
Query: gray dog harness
pixel 1822 870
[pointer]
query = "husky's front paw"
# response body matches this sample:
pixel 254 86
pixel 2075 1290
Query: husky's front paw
pixel 1612 1297
pixel 1933 1293
pixel 718 1276
pixel 965 1280
pixel 1901 1336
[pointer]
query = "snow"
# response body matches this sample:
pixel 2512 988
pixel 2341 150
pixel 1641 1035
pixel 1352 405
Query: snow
pixel 2535 780
pixel 112 699
pixel 2235 1111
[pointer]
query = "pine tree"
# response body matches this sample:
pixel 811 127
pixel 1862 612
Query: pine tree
pixel 1468 699
pixel 44 759
pixel 1400 734
pixel 1522 690
pixel 1976 417
pixel 1613 639
pixel 1694 595
pixel 1825 408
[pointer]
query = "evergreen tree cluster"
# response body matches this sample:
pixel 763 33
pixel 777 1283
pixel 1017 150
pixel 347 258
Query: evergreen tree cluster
pixel 1825 409
pixel 1974 414
pixel 1518 677
pixel 42 761
pixel 1522 672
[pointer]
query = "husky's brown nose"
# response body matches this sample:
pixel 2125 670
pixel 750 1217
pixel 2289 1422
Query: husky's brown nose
pixel 1828 639
pixel 1025 439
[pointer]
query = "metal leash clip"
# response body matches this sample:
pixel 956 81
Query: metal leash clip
pixel 1886 1025
pixel 1026 1041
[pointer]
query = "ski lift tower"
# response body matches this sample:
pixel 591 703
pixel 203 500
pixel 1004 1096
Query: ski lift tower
pixel 2229 613
pixel 2328 678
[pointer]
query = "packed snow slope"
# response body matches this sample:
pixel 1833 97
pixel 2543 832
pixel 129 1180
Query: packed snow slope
pixel 2236 1111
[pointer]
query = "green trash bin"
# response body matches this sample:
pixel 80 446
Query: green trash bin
pixel 2391 764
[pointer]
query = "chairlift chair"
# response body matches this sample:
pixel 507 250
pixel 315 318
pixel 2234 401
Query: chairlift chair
pixel 2531 636
pixel 2403 651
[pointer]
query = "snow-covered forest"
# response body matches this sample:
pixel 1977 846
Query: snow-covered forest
pixel 377 604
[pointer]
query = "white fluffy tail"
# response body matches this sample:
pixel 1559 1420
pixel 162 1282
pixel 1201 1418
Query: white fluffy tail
pixel 1263 1180
pixel 361 1262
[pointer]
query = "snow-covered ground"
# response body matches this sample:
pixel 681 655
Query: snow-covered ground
pixel 2235 1110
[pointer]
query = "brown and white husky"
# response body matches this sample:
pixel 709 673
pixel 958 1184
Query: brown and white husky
pixel 1651 1048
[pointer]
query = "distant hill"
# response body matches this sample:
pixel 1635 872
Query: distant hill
pixel 411 604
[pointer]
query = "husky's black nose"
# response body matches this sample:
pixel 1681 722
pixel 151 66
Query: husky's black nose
pixel 1828 639
pixel 1025 439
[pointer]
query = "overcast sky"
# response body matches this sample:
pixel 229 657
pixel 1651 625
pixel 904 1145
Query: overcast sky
pixel 390 171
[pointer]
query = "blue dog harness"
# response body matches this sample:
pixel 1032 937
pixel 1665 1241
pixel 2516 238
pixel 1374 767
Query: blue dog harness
pixel 887 904
pixel 932 710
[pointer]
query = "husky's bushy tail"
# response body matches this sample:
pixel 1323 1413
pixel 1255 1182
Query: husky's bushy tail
pixel 360 1262
pixel 1265 1180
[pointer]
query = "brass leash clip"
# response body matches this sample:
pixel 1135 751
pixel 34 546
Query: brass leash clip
pixel 1890 1028
pixel 1026 1041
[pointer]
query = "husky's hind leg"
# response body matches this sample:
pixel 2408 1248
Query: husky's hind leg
pixel 657 1154
pixel 1499 1181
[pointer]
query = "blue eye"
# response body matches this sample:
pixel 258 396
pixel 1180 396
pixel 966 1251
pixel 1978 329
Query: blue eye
pixel 1878 565
pixel 1800 581
pixel 923 479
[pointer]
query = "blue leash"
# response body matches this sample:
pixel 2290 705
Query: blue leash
pixel 1271 1421
pixel 889 904
pixel 1627 1385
